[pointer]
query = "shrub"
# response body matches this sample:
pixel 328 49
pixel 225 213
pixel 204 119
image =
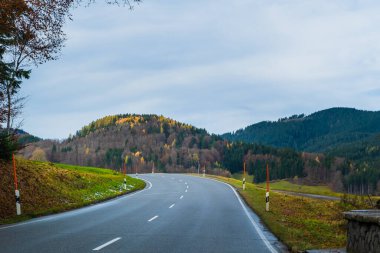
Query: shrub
pixel 8 145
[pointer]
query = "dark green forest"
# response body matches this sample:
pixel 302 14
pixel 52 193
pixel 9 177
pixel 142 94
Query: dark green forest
pixel 319 132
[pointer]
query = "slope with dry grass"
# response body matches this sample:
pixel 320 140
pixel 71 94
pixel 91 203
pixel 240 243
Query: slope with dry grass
pixel 49 188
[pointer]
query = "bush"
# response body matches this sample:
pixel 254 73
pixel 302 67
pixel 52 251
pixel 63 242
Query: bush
pixel 8 145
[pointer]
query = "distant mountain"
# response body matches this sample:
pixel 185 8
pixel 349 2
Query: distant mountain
pixel 26 138
pixel 319 132
pixel 141 142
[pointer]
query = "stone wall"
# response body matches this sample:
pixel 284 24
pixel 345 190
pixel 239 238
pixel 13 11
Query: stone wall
pixel 363 235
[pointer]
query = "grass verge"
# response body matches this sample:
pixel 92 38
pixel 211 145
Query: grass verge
pixel 48 188
pixel 239 176
pixel 284 185
pixel 300 223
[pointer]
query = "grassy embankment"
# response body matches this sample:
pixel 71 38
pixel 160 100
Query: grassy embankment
pixel 301 223
pixel 284 185
pixel 48 188
pixel 239 176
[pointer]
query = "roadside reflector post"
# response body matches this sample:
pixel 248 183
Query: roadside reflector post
pixel 204 171
pixel 267 193
pixel 17 192
pixel 125 184
pixel 18 204
pixel 125 174
pixel 244 178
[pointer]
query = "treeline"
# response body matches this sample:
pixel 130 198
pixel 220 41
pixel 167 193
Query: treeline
pixel 283 163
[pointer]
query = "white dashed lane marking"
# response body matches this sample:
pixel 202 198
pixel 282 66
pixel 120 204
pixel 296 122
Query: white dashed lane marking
pixel 107 243
pixel 153 218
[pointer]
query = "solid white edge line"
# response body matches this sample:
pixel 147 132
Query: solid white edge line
pixel 107 243
pixel 153 218
pixel 181 197
pixel 53 216
pixel 258 230
pixel 171 205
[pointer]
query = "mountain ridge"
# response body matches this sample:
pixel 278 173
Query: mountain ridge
pixel 318 132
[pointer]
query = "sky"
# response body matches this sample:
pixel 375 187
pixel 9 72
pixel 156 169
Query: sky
pixel 216 64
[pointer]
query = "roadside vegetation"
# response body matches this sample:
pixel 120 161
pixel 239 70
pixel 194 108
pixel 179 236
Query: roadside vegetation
pixel 283 185
pixel 48 188
pixel 239 176
pixel 300 223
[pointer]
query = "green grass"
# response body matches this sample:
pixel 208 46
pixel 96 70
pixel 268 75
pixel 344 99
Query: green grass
pixel 300 223
pixel 284 185
pixel 92 170
pixel 48 188
pixel 239 176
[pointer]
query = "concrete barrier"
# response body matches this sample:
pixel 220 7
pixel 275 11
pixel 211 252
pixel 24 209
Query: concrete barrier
pixel 363 234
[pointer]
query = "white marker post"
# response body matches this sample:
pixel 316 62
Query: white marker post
pixel 17 192
pixel 244 178
pixel 125 173
pixel 267 193
pixel 125 184
pixel 204 171
pixel 18 205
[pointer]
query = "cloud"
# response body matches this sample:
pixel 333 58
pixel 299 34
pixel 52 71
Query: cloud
pixel 219 65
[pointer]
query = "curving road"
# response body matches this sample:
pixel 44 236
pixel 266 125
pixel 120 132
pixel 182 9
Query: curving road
pixel 174 213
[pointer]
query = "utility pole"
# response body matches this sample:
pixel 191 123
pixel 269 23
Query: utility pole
pixel 244 178
pixel 17 192
pixel 267 193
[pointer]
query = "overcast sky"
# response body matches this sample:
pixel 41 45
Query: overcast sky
pixel 216 64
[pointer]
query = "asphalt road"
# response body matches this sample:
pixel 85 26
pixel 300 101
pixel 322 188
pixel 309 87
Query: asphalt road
pixel 174 213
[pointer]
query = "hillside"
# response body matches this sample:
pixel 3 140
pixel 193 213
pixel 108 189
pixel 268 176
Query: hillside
pixel 139 140
pixel 318 132
pixel 26 138
pixel 48 188
pixel 143 142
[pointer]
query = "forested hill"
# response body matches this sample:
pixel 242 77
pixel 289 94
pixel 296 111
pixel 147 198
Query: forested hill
pixel 142 142
pixel 321 131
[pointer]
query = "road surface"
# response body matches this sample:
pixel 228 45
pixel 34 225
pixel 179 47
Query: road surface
pixel 174 213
